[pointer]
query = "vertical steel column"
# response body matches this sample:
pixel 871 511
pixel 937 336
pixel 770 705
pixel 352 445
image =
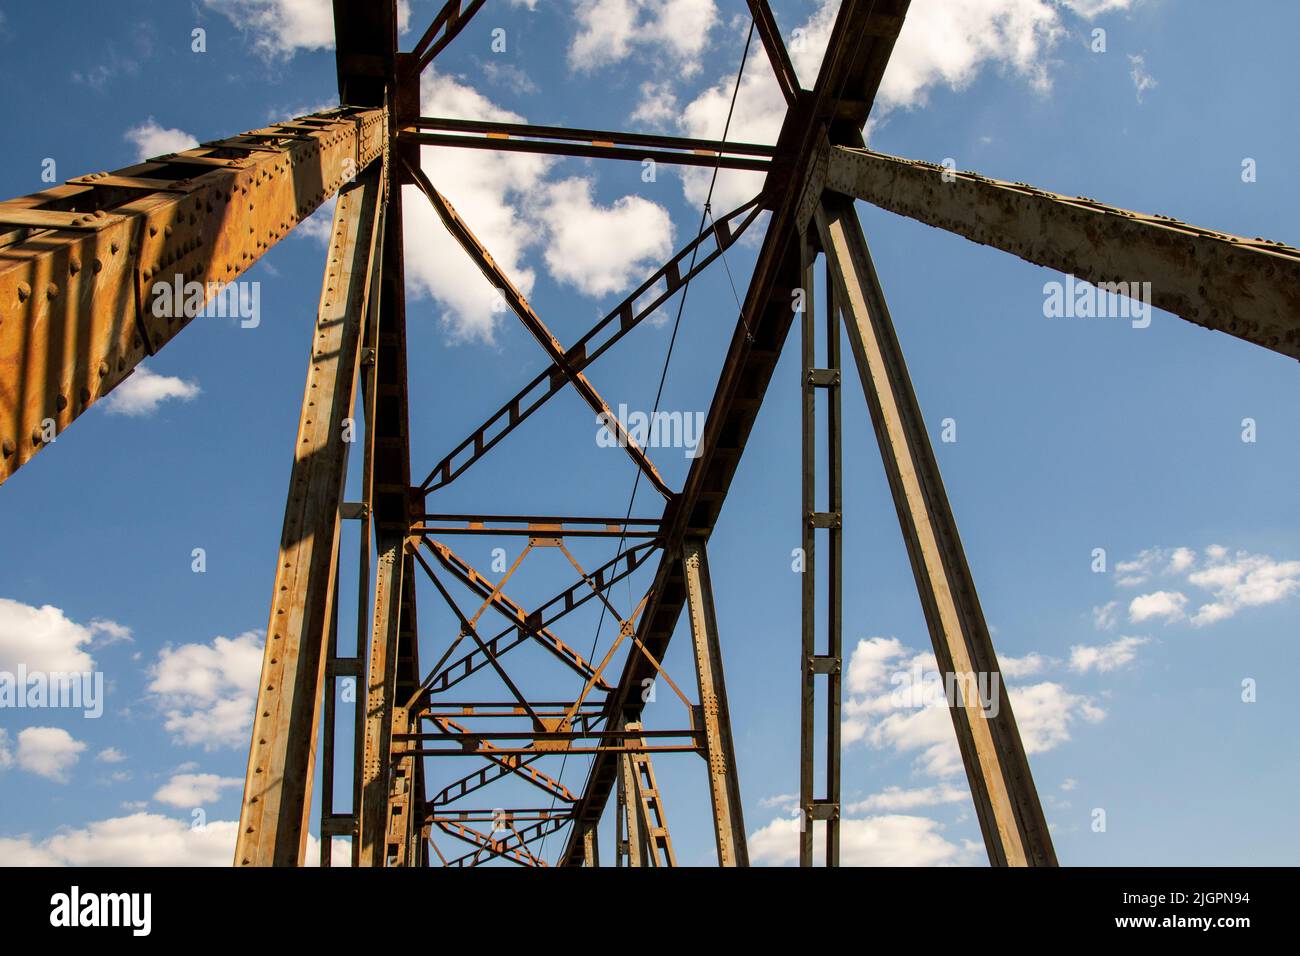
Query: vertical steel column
pixel 334 824
pixel 834 659
pixel 1010 815
pixel 829 664
pixel 590 845
pixel 633 846
pixel 273 823
pixel 381 679
pixel 715 716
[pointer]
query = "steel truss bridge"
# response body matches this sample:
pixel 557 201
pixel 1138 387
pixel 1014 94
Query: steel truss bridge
pixel 76 265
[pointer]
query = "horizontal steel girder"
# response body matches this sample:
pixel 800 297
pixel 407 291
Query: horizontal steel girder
pixel 79 263
pixel 1247 288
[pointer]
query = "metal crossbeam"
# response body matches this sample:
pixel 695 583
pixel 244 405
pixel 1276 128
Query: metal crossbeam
pixel 588 143
pixel 1248 288
pixel 84 266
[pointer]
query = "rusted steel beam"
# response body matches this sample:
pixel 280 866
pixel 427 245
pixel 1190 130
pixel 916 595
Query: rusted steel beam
pixel 714 714
pixel 777 55
pixel 1015 830
pixel 536 527
pixel 1248 288
pixel 446 26
pixel 477 252
pixel 510 759
pixel 496 848
pixel 365 43
pixel 655 291
pixel 593 150
pixel 814 661
pixel 277 789
pixel 523 624
pixel 82 265
pixel 497 133
pixel 859 47
pixel 377 761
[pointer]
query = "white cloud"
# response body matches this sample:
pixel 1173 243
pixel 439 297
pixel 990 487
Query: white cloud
pixel 1142 80
pixel 207 692
pixel 871 663
pixel 320 224
pixel 152 139
pixel 943 43
pixel 44 639
pixel 1158 605
pixel 1105 657
pixel 891 840
pixel 1106 617
pixel 6 752
pixel 485 187
pixel 110 755
pixel 509 203
pixel 194 789
pixel 896 798
pixel 143 839
pixel 1243 580
pixel 601 249
pixel 145 390
pixel 279 28
pixel 657 107
pixel 1025 666
pixel 1068 784
pixel 608 30
pixel 912 716
pixel 49 752
pixel 1045 712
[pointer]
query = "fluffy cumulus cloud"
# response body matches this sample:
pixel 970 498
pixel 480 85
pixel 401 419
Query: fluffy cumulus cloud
pixel 279 28
pixel 1241 580
pixel 49 752
pixel 488 190
pixel 1229 581
pixel 142 839
pixel 602 249
pixel 887 840
pixel 194 789
pixel 207 692
pixel 609 31
pixel 45 639
pixel 1105 657
pixel 152 139
pixel 944 43
pixel 6 750
pixel 1157 606
pixel 144 392
pixel 897 702
pixel 897 798
pixel 516 206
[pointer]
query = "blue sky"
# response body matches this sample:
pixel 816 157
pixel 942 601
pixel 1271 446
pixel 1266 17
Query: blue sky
pixel 1072 434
